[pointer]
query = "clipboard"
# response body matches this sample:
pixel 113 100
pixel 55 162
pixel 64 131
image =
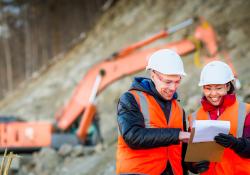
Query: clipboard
pixel 210 151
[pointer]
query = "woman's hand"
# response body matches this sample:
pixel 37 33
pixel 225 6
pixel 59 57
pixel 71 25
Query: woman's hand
pixel 226 140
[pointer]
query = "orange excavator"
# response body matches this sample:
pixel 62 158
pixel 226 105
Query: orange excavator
pixel 74 120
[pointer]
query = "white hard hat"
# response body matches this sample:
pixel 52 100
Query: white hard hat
pixel 216 72
pixel 166 61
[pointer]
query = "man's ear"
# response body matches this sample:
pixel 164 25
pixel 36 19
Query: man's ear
pixel 152 75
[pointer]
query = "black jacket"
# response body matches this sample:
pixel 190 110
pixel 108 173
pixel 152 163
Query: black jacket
pixel 131 122
pixel 243 149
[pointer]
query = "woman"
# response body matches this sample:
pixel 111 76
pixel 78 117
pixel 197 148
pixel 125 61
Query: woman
pixel 220 103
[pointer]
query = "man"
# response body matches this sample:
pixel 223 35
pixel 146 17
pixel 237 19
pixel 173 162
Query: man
pixel 151 122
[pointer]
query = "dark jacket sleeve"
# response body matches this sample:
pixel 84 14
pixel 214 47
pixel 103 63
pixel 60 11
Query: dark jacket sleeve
pixel 244 148
pixel 131 126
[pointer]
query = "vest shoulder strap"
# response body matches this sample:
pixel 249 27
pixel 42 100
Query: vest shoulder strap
pixel 242 112
pixel 143 104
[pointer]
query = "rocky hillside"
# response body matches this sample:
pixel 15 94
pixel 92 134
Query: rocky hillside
pixel 125 23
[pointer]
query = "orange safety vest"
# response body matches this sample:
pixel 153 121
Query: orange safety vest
pixel 232 163
pixel 151 161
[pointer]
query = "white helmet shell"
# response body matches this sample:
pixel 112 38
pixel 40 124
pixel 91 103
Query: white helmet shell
pixel 216 72
pixel 167 62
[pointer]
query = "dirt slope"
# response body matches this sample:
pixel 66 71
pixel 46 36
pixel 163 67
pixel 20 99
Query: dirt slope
pixel 127 22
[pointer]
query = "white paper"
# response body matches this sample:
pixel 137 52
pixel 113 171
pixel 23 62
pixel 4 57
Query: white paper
pixel 206 130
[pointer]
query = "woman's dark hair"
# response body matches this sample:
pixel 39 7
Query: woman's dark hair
pixel 231 87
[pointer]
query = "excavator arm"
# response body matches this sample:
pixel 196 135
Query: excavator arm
pixel 125 62
pixel 114 69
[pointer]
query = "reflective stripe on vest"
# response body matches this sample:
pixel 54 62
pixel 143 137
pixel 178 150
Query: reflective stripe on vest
pixel 151 161
pixel 241 119
pixel 144 108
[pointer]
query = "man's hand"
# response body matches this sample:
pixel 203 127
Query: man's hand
pixel 226 140
pixel 184 136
